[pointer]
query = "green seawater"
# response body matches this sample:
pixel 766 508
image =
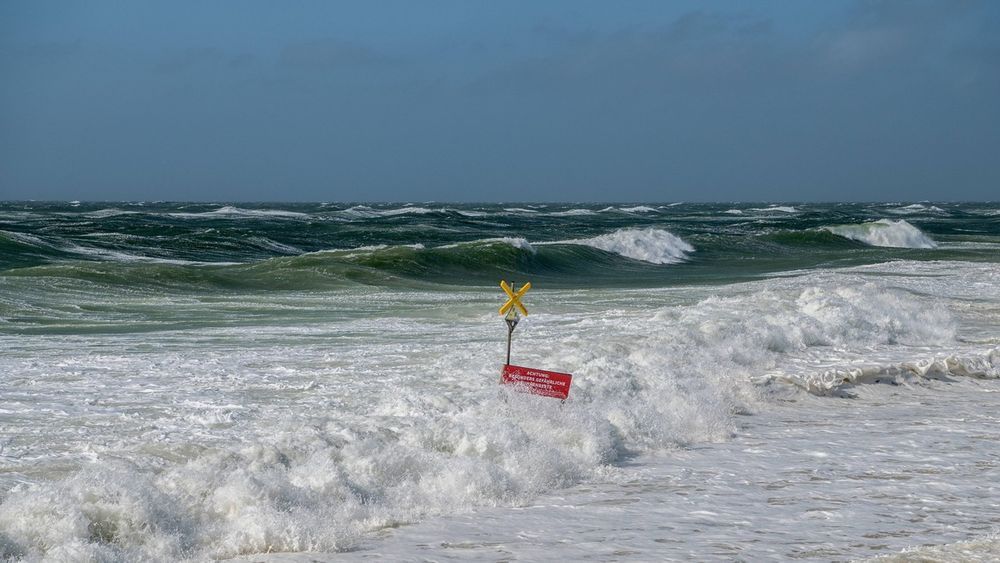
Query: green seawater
pixel 62 262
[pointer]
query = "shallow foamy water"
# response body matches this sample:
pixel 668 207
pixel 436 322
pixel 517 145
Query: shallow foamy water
pixel 824 414
pixel 811 479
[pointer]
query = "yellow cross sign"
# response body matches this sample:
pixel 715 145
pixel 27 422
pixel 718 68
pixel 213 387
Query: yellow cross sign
pixel 514 299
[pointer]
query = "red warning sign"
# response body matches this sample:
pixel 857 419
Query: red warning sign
pixel 537 381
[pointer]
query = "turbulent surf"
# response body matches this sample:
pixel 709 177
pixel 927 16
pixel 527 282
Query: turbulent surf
pixel 197 381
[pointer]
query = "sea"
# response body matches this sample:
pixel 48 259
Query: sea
pixel 320 382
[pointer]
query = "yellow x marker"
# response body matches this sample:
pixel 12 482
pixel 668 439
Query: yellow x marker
pixel 514 299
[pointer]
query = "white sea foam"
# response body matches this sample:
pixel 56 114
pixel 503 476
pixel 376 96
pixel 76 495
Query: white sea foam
pixel 733 212
pixel 655 246
pixel 634 209
pixel 915 208
pixel 238 212
pixel 985 549
pixel 408 210
pixel 365 250
pixel 304 436
pixel 516 242
pixel 571 213
pixel 28 239
pixel 885 232
pixel 471 213
pixel 776 209
pixel 985 365
pixel 97 252
pixel 359 211
pixel 105 213
pixel 274 245
pixel 519 210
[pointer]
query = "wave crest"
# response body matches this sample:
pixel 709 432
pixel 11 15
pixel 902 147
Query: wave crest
pixel 835 381
pixel 655 246
pixel 885 232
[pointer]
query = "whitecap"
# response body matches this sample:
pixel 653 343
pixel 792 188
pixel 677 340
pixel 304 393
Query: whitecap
pixel 884 232
pixel 470 213
pixel 239 212
pixel 516 242
pixel 915 208
pixel 110 212
pixel 571 213
pixel 655 246
pixel 776 209
pixel 408 210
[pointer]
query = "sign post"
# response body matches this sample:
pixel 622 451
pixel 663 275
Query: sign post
pixel 528 380
pixel 510 309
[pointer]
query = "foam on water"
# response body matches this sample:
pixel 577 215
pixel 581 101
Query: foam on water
pixel 572 213
pixel 230 211
pixel 264 441
pixel 655 246
pixel 516 242
pixel 408 210
pixel 915 208
pixel 885 232
pixel 776 209
pixel 980 550
pixel 109 212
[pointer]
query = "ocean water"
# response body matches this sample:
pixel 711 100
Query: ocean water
pixel 298 382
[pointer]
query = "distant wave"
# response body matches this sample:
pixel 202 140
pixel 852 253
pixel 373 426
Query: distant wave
pixel 571 213
pixel 110 212
pixel 655 246
pixel 884 232
pixel 408 210
pixel 776 209
pixel 915 208
pixel 634 209
pixel 639 209
pixel 239 212
pixel 516 242
pixel 400 265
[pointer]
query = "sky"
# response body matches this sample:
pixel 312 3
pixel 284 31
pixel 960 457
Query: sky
pixel 469 100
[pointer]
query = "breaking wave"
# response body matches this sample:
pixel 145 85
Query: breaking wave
pixel 654 246
pixel 474 261
pixel 835 381
pixel 669 377
pixel 915 209
pixel 775 209
pixel 230 211
pixel 885 232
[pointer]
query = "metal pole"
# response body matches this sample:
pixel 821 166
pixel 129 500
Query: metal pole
pixel 511 319
pixel 510 332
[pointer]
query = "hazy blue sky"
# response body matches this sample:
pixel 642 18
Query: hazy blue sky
pixel 486 100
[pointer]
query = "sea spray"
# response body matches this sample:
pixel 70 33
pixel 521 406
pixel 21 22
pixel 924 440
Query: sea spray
pixel 428 436
pixel 295 383
pixel 654 246
pixel 885 232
